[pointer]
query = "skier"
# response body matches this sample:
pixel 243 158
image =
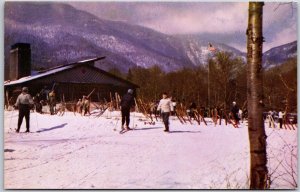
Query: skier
pixel 44 93
pixel 235 111
pixel 85 105
pixel 126 103
pixel 37 103
pixel 280 117
pixel 165 106
pixel 24 102
pixel 52 102
pixel 270 118
pixel 192 109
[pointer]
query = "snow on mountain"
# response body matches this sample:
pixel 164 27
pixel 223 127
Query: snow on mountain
pixel 86 152
pixel 124 45
pixel 59 34
pixel 197 49
pixel 280 54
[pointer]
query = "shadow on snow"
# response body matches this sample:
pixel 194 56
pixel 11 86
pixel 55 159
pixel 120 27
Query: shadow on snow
pixel 184 131
pixel 56 127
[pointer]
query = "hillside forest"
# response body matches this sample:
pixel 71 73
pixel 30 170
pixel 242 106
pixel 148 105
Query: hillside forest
pixel 222 81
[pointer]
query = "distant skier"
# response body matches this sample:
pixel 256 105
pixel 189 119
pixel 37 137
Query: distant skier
pixel 126 103
pixel 44 93
pixel 85 105
pixel 165 106
pixel 280 118
pixel 24 102
pixel 52 102
pixel 37 103
pixel 235 111
pixel 192 109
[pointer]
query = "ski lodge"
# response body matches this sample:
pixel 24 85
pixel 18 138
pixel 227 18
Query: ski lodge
pixel 70 81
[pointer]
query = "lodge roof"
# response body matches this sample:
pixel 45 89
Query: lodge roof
pixel 58 69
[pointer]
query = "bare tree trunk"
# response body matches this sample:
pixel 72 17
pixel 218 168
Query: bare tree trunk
pixel 257 135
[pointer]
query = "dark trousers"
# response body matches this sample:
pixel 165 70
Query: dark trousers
pixel 125 116
pixel 52 105
pixel 280 122
pixel 24 110
pixel 165 118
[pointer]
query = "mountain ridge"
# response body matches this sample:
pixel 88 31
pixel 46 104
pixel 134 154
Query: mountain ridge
pixel 60 33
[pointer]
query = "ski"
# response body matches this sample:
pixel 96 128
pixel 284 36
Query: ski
pixel 233 122
pixel 101 112
pixel 144 110
pixel 197 118
pixel 124 131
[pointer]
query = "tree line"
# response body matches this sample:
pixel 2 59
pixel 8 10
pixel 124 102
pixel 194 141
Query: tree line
pixel 221 81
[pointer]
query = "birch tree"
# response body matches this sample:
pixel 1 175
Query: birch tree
pixel 257 135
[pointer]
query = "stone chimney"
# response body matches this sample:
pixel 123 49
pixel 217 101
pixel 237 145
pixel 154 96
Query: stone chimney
pixel 19 61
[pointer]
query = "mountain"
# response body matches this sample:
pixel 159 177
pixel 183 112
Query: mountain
pixel 280 54
pixel 60 34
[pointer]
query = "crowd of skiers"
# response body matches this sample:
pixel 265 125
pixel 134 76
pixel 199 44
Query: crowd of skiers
pixel 25 102
pixel 164 108
pixel 48 98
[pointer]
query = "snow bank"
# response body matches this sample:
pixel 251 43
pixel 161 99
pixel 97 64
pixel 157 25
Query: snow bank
pixel 76 152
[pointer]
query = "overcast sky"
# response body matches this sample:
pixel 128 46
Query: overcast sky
pixel 226 22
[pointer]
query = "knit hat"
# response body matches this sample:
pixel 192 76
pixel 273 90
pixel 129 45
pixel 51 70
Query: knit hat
pixel 25 89
pixel 130 91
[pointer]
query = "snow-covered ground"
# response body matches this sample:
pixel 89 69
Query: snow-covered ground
pixel 76 152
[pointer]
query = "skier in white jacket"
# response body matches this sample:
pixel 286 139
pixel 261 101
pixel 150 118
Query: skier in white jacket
pixel 165 106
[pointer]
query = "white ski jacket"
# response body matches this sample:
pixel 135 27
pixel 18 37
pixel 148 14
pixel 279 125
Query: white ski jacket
pixel 281 114
pixel 165 105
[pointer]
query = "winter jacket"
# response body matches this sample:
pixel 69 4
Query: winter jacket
pixel 165 105
pixel 280 115
pixel 235 109
pixel 24 99
pixel 127 101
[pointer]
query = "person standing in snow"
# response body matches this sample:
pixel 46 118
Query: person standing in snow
pixel 235 111
pixel 24 102
pixel 280 118
pixel 192 109
pixel 52 102
pixel 44 93
pixel 126 103
pixel 85 105
pixel 165 106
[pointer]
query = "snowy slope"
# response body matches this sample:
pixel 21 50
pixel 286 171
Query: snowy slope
pixel 68 152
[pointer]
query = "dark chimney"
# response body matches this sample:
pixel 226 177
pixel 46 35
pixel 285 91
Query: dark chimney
pixel 20 61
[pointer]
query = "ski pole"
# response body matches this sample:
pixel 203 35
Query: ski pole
pixel 11 116
pixel 115 127
pixel 134 126
pixel 37 124
pixel 133 120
